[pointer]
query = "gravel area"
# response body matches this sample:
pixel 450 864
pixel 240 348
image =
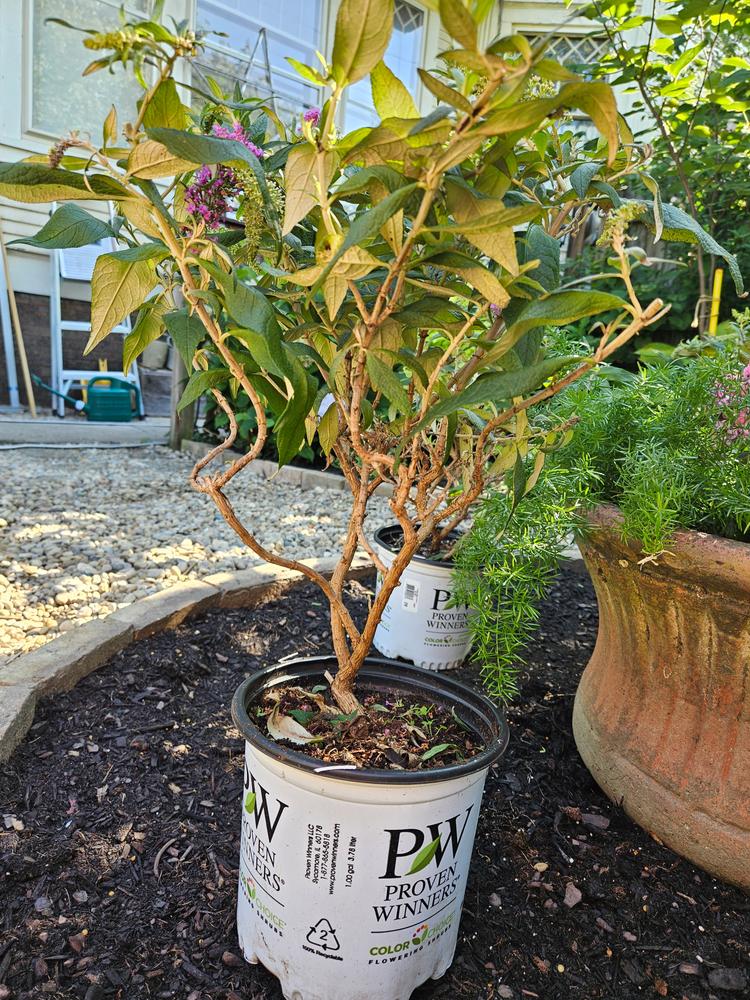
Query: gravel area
pixel 83 532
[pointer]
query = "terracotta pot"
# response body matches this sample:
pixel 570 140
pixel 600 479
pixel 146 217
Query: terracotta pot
pixel 662 713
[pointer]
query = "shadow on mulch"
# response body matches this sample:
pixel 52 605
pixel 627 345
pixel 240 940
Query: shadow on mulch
pixel 119 847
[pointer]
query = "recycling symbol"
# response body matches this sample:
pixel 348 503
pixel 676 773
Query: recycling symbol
pixel 322 935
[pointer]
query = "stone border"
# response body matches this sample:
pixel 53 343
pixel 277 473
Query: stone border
pixel 62 662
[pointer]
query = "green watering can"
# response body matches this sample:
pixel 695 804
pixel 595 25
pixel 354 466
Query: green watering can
pixel 112 403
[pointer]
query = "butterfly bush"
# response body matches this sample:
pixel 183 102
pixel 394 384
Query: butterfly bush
pixel 208 197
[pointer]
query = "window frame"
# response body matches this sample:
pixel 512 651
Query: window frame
pixel 283 72
pixel 28 129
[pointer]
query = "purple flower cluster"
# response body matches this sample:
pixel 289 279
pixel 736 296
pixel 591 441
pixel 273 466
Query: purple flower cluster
pixel 312 115
pixel 732 395
pixel 208 197
pixel 238 133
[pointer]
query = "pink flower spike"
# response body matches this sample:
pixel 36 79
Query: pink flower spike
pixel 312 115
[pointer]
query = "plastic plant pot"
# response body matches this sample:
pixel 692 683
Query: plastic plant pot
pixel 419 624
pixel 352 880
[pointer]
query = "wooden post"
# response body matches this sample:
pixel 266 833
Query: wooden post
pixel 181 424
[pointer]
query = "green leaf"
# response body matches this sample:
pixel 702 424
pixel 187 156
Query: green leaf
pixel 197 149
pixel 34 183
pixel 539 245
pixel 495 387
pixel 443 92
pixel 289 429
pixel 370 222
pixel 69 226
pixel 165 109
pixel 434 751
pixel 680 227
pixel 200 382
pixel 120 283
pixel 561 308
pixel 249 307
pixel 518 117
pixel 385 380
pixel 582 176
pixel 459 23
pixel 657 209
pixel 306 71
pixel 363 31
pixel 425 856
pixel 389 95
pixel 148 328
pixel 302 178
pixel 250 802
pixel 363 178
pixel 187 332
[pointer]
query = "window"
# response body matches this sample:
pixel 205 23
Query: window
pixel 61 99
pixel 247 44
pixel 404 55
pixel 575 51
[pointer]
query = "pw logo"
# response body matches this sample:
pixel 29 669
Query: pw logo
pixel 260 805
pixel 412 850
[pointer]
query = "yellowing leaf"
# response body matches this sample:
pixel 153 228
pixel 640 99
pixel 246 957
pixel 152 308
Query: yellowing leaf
pixel 363 30
pixel 328 428
pixel 150 160
pixel 118 288
pixel 500 242
pixel 304 174
pixel 459 23
pixel 390 96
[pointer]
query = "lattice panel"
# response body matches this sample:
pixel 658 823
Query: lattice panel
pixel 574 49
pixel 407 18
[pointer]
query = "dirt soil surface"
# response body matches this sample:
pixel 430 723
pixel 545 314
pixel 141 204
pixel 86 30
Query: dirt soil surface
pixel 119 838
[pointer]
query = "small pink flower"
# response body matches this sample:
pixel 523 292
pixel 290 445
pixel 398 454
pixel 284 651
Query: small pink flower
pixel 237 133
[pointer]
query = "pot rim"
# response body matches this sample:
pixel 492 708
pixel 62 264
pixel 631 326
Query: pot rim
pixel 382 540
pixel 691 555
pixel 496 732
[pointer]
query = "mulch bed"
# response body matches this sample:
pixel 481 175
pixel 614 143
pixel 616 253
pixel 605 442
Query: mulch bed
pixel 120 841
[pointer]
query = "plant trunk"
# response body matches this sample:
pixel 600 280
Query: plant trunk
pixel 342 687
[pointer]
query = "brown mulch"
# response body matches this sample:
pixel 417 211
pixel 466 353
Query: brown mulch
pixel 119 837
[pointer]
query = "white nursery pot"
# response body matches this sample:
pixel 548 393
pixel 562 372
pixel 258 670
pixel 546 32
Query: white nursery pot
pixel 343 894
pixel 417 624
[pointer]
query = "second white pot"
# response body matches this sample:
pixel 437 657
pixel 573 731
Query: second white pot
pixel 418 624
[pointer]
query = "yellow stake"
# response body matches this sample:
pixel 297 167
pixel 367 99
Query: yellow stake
pixel 713 321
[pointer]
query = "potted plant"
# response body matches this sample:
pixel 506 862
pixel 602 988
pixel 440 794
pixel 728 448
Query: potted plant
pixel 391 262
pixel 661 713
pixel 655 480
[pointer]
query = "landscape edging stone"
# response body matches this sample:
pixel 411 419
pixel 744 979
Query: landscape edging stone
pixel 61 663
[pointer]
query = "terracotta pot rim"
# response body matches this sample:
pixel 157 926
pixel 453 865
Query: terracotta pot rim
pixel 696 556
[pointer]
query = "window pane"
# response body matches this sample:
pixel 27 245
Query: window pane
pixel 292 29
pixel 402 56
pixel 61 98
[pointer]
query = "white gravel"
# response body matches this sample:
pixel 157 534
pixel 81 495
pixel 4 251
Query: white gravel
pixel 83 532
